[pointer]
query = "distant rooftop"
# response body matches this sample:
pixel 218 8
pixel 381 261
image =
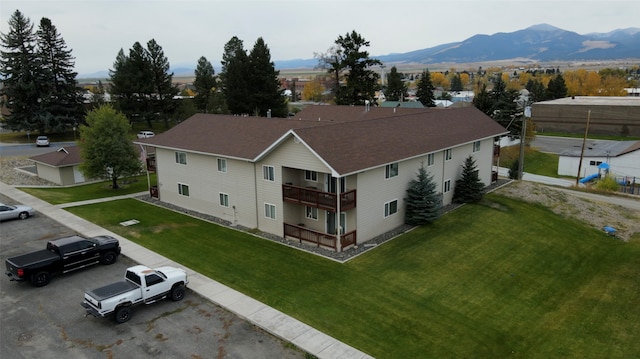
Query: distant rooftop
pixel 595 101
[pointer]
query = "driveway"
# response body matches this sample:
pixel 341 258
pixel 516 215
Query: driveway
pixel 49 322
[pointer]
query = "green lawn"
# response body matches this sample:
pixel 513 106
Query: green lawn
pixel 540 163
pixel 58 195
pixel 498 279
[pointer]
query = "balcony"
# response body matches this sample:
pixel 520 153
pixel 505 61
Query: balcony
pixel 319 199
pixel 318 238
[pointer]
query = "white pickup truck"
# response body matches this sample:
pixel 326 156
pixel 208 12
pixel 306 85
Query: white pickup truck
pixel 140 285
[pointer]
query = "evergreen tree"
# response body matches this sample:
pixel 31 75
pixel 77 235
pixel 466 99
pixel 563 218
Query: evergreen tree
pixel 423 203
pixel 536 89
pixel 482 101
pixel 20 71
pixel 61 99
pixel 504 107
pixel 122 90
pixel 469 187
pixel 556 88
pixel 234 77
pixel 514 170
pixel 351 66
pixel 456 83
pixel 205 84
pixel 425 90
pixel 267 97
pixel 396 88
pixel 163 90
pixel 142 84
pixel 105 146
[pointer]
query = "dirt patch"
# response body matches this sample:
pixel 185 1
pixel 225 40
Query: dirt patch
pixel 596 214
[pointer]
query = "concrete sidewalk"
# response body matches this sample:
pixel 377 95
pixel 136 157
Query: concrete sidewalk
pixel 273 321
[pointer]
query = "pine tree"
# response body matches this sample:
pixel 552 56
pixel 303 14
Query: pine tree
pixel 456 83
pixel 423 203
pixel 20 71
pixel 234 77
pixel 163 90
pixel 468 188
pixel 205 84
pixel 425 90
pixel 396 89
pixel 105 146
pixel 267 97
pixel 556 88
pixel 514 170
pixel 61 99
pixel 504 107
pixel 351 66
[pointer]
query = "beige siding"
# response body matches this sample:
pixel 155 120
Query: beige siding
pixel 49 173
pixel 290 154
pixel 205 185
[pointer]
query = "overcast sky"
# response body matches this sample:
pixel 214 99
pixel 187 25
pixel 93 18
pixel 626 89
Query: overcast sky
pixel 95 30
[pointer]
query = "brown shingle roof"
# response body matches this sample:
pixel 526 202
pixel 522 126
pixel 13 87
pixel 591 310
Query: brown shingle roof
pixel 63 157
pixel 347 138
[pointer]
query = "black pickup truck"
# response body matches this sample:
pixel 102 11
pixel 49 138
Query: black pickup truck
pixel 61 256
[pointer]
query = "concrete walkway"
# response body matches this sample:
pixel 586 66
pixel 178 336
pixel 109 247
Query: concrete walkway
pixel 273 321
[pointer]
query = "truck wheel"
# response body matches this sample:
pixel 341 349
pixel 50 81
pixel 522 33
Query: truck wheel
pixel 123 314
pixel 177 293
pixel 108 258
pixel 41 279
pixel 23 215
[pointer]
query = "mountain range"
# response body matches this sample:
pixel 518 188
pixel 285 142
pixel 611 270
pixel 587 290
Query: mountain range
pixel 538 43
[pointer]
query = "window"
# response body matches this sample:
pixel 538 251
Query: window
pixel 183 189
pixel 431 159
pixel 476 146
pixel 181 158
pixel 311 212
pixel 224 199
pixel 390 208
pixel 152 279
pixel 222 165
pixel 311 176
pixel 269 173
pixel 391 170
pixel 447 186
pixel 270 211
pixel 448 154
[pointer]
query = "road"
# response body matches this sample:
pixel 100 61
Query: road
pixel 49 322
pixel 28 150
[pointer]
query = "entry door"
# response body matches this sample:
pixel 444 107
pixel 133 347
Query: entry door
pixel 330 184
pixel 331 222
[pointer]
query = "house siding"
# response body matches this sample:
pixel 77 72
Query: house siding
pixel 49 173
pixel 205 185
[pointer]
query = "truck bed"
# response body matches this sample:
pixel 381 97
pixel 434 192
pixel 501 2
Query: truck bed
pixel 28 259
pixel 112 290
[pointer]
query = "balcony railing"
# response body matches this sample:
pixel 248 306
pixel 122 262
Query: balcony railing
pixel 319 238
pixel 319 199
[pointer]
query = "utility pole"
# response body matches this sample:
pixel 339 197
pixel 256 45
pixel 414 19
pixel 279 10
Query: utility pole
pixel 525 114
pixel 584 140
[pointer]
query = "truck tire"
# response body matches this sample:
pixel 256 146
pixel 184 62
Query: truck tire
pixel 23 215
pixel 123 314
pixel 177 293
pixel 108 258
pixel 40 279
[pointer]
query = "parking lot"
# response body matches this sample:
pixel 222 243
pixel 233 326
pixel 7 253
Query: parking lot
pixel 49 322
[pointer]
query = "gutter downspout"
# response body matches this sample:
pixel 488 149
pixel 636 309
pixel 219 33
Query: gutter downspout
pixel 337 214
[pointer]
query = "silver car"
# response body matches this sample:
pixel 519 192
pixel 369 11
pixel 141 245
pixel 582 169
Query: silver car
pixel 16 211
pixel 42 141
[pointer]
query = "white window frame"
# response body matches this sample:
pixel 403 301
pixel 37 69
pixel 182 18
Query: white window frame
pixel 222 165
pixel 311 212
pixel 310 176
pixel 268 173
pixel 448 154
pixel 269 210
pixel 476 146
pixel 446 186
pixel 391 170
pixel 388 209
pixel 431 159
pixel 181 157
pixel 181 187
pixel 224 199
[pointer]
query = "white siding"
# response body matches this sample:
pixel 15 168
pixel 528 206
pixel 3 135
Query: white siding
pixel 49 173
pixel 205 184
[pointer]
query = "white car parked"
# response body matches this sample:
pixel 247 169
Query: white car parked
pixel 146 134
pixel 16 211
pixel 42 141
